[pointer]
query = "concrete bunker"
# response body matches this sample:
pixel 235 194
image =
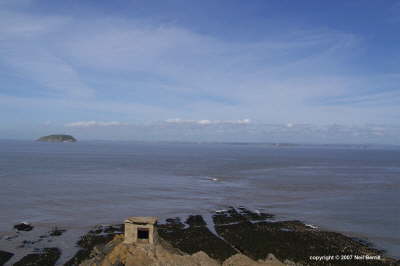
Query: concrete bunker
pixel 140 230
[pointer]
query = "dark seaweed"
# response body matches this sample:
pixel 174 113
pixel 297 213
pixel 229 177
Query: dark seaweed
pixel 291 240
pixel 99 236
pixel 5 256
pixel 23 227
pixel 197 237
pixel 46 257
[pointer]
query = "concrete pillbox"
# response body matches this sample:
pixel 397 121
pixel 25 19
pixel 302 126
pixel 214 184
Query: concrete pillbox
pixel 140 230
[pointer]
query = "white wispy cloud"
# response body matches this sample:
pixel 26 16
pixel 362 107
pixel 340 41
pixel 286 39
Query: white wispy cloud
pixel 152 72
pixel 208 122
pixel 95 124
pixel 195 130
pixel 27 50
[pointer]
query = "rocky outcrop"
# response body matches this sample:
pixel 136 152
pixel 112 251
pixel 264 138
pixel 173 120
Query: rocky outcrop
pixel 293 241
pixel 57 138
pixel 161 254
pixel 241 237
pixel 94 240
pixel 242 260
pixel 24 226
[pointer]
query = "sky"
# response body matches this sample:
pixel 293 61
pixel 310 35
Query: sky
pixel 257 71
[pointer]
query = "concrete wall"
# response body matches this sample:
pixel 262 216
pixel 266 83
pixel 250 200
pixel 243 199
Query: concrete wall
pixel 131 236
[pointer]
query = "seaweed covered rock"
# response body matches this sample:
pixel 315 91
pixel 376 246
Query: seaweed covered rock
pixel 96 238
pixel 290 240
pixel 57 231
pixel 24 226
pixel 232 215
pixel 243 238
pixel 196 237
pixel 5 256
pixel 174 238
pixel 45 257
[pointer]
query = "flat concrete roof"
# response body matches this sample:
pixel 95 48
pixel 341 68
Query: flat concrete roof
pixel 141 220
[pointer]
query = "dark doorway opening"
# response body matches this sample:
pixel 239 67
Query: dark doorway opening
pixel 143 233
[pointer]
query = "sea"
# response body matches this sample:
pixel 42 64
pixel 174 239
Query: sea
pixel 351 189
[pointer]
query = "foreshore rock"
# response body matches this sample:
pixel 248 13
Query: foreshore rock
pixel 161 254
pixel 242 260
pixel 244 238
pixel 118 253
pixel 94 240
pixel 197 237
pixel 24 226
pixel 240 238
pixel 290 241
pixel 45 257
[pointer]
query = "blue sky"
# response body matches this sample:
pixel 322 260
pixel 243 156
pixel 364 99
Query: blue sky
pixel 304 71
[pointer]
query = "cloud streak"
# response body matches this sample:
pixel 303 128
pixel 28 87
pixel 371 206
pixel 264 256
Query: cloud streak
pixel 208 122
pixel 96 124
pixel 233 132
pixel 26 50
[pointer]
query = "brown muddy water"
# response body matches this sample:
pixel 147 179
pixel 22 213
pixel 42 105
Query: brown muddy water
pixel 349 189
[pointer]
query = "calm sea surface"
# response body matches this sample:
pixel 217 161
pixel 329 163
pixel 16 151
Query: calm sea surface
pixel 77 185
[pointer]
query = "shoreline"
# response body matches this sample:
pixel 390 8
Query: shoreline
pixel 75 231
pixel 238 221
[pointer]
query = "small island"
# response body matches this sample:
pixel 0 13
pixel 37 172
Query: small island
pixel 57 138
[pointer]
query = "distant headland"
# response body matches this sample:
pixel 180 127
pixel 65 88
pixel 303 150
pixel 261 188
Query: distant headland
pixel 57 138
